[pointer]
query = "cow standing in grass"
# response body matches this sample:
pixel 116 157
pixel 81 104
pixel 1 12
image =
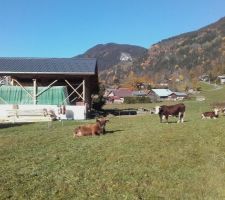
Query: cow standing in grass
pixel 176 110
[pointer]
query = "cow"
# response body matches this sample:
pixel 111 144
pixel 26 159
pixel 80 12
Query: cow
pixel 91 129
pixel 176 110
pixel 211 115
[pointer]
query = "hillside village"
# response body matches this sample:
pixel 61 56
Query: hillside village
pixel 154 95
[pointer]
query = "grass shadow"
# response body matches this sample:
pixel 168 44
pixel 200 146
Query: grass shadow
pixel 175 122
pixel 118 112
pixel 10 125
pixel 115 112
pixel 114 131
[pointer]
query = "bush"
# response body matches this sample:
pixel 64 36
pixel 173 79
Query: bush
pixel 98 102
pixel 130 100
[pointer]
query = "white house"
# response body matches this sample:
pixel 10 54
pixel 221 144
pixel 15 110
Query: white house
pixel 222 79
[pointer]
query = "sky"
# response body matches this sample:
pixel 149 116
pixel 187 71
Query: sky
pixel 66 28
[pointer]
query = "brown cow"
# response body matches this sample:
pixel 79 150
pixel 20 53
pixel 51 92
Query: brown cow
pixel 211 115
pixel 91 129
pixel 177 110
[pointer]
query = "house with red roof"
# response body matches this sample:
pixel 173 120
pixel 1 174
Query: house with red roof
pixel 117 95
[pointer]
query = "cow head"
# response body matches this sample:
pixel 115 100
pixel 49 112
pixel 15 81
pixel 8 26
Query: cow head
pixel 102 121
pixel 157 109
pixel 216 110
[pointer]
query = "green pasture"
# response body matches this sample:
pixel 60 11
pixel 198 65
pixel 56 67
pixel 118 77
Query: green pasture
pixel 138 158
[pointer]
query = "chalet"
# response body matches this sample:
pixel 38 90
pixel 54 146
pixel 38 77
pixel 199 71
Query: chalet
pixel 204 78
pixel 161 93
pixel 221 79
pixel 49 83
pixel 166 94
pixel 117 95
pixel 141 93
pixel 177 96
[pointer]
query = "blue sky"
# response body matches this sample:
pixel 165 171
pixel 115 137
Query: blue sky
pixel 65 28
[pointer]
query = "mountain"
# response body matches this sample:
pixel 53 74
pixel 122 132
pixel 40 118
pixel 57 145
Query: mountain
pixel 111 54
pixel 182 58
pixel 113 57
pixel 190 54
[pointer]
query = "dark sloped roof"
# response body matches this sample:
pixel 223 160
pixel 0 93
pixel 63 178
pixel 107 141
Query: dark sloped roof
pixel 122 92
pixel 47 65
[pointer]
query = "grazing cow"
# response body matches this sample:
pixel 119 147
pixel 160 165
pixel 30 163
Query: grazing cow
pixel 211 115
pixel 91 129
pixel 176 110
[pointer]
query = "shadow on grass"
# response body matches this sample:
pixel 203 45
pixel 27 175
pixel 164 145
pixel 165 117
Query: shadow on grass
pixel 115 112
pixel 10 125
pixel 175 122
pixel 114 131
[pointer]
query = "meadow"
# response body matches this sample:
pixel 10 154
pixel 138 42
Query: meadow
pixel 138 158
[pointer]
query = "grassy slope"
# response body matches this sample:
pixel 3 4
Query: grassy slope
pixel 139 158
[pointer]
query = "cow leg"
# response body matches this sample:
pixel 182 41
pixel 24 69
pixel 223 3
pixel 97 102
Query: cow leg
pixel 179 117
pixel 167 116
pixel 182 117
pixel 93 133
pixel 160 117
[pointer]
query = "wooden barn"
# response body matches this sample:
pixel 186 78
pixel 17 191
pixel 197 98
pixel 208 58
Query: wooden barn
pixel 62 86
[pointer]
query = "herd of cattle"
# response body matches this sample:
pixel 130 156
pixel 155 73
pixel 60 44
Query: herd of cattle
pixel 164 111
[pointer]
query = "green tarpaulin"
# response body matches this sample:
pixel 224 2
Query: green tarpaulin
pixel 16 95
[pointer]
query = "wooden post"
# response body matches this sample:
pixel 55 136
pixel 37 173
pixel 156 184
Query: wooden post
pixel 34 91
pixel 84 92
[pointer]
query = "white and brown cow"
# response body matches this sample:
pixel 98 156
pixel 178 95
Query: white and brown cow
pixel 176 110
pixel 91 129
pixel 211 114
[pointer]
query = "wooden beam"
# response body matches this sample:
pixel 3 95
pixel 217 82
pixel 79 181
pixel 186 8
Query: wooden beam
pixel 72 94
pixel 75 90
pixel 4 100
pixel 45 89
pixel 14 80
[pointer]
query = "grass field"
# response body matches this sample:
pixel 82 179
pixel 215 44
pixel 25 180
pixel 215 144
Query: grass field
pixel 138 158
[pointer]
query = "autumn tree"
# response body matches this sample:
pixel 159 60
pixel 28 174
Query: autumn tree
pixel 135 82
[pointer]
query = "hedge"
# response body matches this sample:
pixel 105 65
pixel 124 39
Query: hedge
pixel 130 100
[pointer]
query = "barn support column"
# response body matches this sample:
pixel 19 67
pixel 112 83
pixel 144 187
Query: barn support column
pixel 87 94
pixel 12 82
pixel 34 91
pixel 84 93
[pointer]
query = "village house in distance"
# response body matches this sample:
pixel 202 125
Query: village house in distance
pixel 118 95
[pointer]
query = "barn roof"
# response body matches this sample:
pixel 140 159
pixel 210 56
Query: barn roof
pixel 72 66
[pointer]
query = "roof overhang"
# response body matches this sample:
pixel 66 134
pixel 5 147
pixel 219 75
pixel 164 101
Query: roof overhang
pixel 44 73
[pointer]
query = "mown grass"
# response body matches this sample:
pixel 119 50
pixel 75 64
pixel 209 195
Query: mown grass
pixel 138 158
